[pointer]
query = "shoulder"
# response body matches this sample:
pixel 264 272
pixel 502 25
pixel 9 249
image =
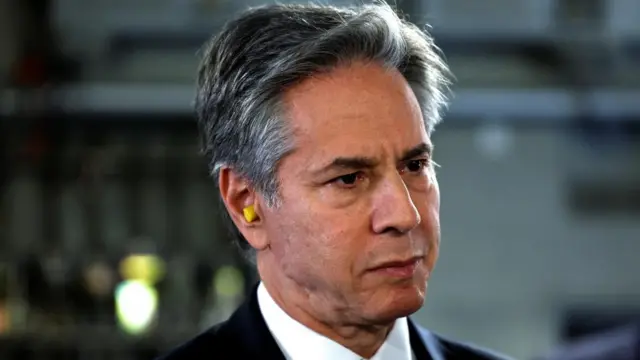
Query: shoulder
pixel 244 335
pixel 453 350
pixel 459 350
pixel 210 344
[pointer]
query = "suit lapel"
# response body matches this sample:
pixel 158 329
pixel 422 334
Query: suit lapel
pixel 425 346
pixel 255 339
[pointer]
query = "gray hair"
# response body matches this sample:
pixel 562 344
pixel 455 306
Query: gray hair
pixel 257 56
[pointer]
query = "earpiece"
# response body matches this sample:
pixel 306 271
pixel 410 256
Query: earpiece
pixel 250 213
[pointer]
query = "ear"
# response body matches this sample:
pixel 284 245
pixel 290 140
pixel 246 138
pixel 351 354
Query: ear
pixel 237 194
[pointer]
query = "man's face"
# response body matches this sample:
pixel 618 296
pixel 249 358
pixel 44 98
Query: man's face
pixel 357 193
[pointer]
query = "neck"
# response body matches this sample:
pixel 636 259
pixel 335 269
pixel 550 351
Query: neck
pixel 316 311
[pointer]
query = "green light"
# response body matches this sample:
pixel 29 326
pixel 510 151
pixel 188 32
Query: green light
pixel 229 281
pixel 136 306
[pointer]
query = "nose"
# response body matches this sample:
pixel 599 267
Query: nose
pixel 394 211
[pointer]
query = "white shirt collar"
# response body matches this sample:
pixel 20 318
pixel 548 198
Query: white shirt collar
pixel 299 342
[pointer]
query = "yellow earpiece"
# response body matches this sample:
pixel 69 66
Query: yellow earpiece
pixel 250 213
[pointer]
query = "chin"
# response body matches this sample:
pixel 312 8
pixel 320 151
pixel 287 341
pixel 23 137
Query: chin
pixel 399 303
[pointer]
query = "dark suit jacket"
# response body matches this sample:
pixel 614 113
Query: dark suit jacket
pixel 245 336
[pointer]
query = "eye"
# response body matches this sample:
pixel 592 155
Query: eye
pixel 415 166
pixel 348 180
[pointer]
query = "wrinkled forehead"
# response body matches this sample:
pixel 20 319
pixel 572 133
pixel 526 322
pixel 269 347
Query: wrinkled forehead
pixel 354 109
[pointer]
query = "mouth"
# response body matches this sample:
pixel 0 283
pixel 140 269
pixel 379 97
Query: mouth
pixel 399 268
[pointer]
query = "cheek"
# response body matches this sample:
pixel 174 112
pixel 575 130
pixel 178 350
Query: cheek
pixel 329 239
pixel 302 238
pixel 435 193
pixel 315 235
pixel 431 223
pixel 428 205
pixel 322 244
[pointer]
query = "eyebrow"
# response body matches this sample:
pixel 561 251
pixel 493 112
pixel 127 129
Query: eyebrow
pixel 348 163
pixel 360 162
pixel 421 149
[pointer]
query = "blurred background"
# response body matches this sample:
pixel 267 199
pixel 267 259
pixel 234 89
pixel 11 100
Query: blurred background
pixel 110 241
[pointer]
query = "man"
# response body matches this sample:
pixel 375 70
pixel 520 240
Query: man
pixel 316 122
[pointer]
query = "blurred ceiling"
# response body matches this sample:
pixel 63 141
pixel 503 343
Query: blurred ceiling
pixel 549 54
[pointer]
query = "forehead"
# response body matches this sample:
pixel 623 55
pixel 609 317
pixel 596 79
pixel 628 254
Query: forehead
pixel 354 109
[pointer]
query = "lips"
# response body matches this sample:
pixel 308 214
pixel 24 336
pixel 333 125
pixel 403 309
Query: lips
pixel 399 268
